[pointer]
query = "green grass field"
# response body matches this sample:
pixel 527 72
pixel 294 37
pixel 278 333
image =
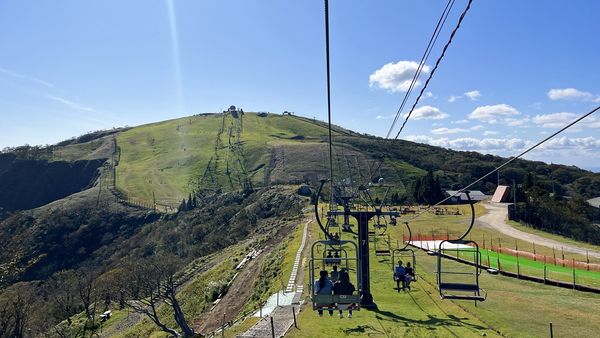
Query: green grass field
pixel 514 308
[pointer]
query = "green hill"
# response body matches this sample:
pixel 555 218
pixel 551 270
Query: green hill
pixel 213 152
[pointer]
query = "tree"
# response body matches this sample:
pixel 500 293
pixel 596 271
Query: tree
pixel 151 282
pixel 62 292
pixel 16 303
pixel 190 203
pixel 183 205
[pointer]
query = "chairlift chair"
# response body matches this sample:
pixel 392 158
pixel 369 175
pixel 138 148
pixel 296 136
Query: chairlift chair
pixel 404 255
pixel 382 251
pixel 405 251
pixel 333 256
pixel 461 290
pixel 448 289
pixel 331 301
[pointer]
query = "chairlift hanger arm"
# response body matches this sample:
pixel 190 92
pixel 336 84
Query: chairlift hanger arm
pixel 472 216
pixel 317 210
pixel 409 237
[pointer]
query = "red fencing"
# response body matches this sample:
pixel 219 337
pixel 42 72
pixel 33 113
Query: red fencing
pixel 549 260
pixel 513 252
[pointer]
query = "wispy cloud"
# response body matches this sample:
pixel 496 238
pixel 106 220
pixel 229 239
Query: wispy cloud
pixel 454 98
pixel 444 131
pixel 71 104
pixel 26 77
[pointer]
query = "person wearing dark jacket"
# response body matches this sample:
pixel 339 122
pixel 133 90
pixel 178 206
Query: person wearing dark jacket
pixel 344 287
pixel 409 274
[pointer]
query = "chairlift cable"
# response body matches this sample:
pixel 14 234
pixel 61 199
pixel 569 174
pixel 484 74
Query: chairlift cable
pixel 329 99
pixel 432 41
pixel 437 63
pixel 509 161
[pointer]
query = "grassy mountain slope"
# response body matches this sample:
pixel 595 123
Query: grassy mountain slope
pixel 173 158
pixel 218 151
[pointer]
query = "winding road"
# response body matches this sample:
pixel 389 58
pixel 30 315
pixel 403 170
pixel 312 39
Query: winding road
pixel 494 219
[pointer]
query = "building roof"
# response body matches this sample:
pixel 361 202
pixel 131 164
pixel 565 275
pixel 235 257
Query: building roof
pixel 595 202
pixel 475 195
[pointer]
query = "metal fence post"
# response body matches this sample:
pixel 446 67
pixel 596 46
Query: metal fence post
pixel 272 328
pixel 294 314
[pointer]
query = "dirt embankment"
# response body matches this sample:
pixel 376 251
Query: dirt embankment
pixel 33 183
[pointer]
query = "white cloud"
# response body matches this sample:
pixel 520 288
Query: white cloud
pixel 396 77
pixel 565 142
pixel 572 94
pixel 454 98
pixel 429 94
pixel 554 120
pixel 490 114
pixel 470 143
pixel 428 113
pixel 553 150
pixel 473 95
pixel 460 122
pixel 489 132
pixel 512 122
pixel 559 120
pixel 444 131
pixel 477 127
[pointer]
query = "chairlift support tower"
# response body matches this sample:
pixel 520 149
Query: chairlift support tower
pixel 363 217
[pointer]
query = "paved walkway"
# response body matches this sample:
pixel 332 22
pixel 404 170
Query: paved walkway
pixel 282 316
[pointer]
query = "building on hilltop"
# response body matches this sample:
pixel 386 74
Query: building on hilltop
pixel 234 111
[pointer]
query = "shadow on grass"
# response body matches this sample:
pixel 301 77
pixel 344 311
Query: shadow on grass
pixel 431 320
pixel 364 330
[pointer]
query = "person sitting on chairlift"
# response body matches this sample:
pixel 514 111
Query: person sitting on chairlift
pixel 335 274
pixel 409 273
pixel 399 276
pixel 344 287
pixel 323 286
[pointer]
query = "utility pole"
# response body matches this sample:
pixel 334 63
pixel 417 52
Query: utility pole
pixel 515 199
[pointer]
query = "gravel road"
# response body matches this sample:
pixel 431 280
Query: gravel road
pixel 494 219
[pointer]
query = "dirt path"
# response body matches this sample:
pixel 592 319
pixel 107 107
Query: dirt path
pixel 494 219
pixel 282 316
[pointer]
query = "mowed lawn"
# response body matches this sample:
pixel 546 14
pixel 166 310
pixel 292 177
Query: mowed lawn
pixel 513 307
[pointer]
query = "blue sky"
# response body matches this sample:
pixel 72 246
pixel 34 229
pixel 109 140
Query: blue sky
pixel 517 70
